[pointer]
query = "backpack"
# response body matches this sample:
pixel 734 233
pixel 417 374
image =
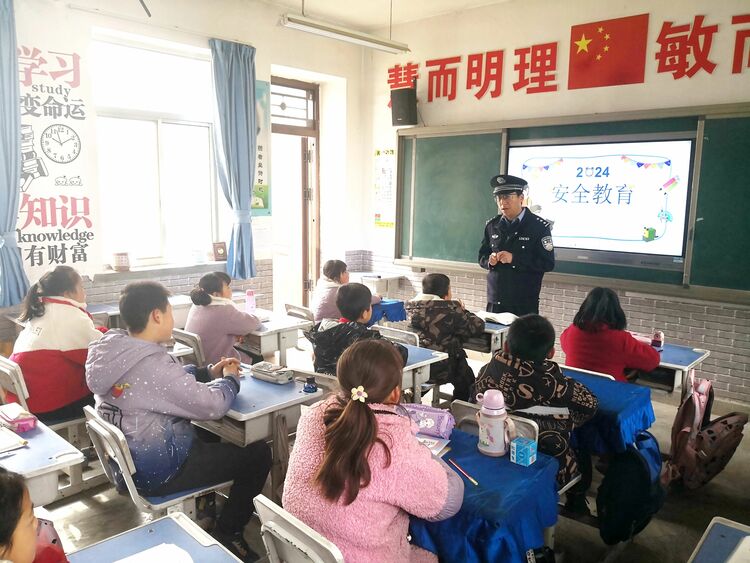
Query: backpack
pixel 701 448
pixel 630 493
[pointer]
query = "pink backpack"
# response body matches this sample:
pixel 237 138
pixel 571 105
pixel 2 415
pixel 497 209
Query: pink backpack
pixel 701 448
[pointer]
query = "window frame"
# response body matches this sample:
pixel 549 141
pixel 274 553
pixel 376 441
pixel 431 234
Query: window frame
pixel 161 118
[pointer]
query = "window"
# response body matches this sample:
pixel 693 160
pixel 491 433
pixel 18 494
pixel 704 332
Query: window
pixel 155 159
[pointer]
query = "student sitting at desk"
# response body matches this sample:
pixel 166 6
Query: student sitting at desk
pixel 324 298
pixel 143 391
pixel 597 339
pixel 445 325
pixel 18 524
pixel 51 349
pixel 330 337
pixel 357 471
pixel 215 318
pixel 528 378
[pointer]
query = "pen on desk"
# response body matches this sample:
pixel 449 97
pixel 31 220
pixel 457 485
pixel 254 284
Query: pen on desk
pixel 469 477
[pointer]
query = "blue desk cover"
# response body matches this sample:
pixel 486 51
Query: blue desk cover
pixel 624 410
pixel 677 355
pixel 392 309
pixel 417 354
pixel 46 449
pixel 501 518
pixel 719 544
pixel 256 396
pixel 496 326
pixel 145 537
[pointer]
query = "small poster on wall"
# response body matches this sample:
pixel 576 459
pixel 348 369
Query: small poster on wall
pixel 261 202
pixel 384 203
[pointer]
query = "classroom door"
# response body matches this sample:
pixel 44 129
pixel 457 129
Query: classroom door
pixel 295 256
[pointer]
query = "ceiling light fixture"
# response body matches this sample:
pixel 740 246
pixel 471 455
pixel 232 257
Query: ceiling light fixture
pixel 302 23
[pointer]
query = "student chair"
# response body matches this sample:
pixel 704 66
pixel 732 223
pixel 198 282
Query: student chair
pixel 193 341
pixel 596 373
pixel 11 380
pixel 113 451
pixel 290 540
pixel 466 420
pixel 300 312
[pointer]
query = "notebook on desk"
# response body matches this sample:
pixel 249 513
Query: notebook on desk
pixel 499 318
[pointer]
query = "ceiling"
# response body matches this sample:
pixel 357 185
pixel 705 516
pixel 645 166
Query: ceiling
pixel 368 15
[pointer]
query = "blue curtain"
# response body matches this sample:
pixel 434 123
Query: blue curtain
pixel 236 144
pixel 13 281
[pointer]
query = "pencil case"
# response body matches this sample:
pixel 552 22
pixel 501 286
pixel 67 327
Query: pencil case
pixel 431 421
pixel 22 422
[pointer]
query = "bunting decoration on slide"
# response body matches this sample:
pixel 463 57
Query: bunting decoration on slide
pixel 646 165
pixel 543 167
pixel 608 52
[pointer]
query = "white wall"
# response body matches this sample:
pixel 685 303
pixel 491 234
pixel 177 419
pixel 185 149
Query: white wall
pixel 522 23
pixel 193 22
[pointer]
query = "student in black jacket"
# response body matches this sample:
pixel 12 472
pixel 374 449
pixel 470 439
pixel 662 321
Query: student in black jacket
pixel 330 337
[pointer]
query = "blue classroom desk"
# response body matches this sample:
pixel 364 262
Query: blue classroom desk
pixel 279 333
pixel 255 415
pixel 417 368
pixel 681 359
pixel 175 529
pixel 719 541
pixel 40 462
pixel 502 517
pixel 624 410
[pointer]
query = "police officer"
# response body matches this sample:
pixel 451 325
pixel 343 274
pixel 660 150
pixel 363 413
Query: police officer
pixel 516 249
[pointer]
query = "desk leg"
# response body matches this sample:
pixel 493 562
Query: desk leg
pixel 417 388
pixel 496 343
pixel 286 340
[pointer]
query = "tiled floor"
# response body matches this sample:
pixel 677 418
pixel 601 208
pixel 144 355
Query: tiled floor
pixel 669 538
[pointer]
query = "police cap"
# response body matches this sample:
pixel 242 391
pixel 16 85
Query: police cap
pixel 506 184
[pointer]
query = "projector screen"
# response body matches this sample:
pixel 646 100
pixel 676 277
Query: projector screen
pixel 617 197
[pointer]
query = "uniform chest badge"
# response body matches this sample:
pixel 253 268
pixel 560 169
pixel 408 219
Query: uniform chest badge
pixel 547 244
pixel 524 238
pixel 494 236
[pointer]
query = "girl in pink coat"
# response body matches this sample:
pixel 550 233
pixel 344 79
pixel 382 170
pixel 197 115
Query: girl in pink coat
pixel 357 471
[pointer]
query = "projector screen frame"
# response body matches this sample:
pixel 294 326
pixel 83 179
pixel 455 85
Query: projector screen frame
pixel 620 258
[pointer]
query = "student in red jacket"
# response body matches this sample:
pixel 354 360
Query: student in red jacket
pixel 597 339
pixel 52 348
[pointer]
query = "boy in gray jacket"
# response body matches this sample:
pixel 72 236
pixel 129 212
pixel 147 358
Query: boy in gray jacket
pixel 143 391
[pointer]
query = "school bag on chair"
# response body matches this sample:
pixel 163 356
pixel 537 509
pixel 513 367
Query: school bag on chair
pixel 701 447
pixel 630 493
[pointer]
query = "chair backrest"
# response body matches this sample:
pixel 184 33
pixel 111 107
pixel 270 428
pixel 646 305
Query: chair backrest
pixel 11 380
pixel 191 340
pixel 398 335
pixel 589 372
pixel 466 420
pixel 300 312
pixel 110 444
pixel 290 540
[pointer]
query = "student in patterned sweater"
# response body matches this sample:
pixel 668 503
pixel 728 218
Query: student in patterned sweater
pixel 445 325
pixel 527 377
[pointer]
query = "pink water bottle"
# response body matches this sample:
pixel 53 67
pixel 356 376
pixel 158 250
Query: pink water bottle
pixel 250 301
pixel 496 429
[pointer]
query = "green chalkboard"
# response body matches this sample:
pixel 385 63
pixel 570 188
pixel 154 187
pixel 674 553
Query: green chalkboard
pixel 452 199
pixel 722 228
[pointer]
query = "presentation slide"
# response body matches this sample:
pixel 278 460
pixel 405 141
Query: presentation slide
pixel 625 197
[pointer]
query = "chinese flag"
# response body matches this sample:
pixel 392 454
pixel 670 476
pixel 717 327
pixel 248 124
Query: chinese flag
pixel 608 53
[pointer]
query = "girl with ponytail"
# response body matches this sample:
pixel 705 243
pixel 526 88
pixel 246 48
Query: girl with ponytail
pixel 357 471
pixel 215 318
pixel 53 346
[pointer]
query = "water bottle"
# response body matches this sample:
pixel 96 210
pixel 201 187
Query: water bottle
pixel 250 301
pixel 310 385
pixel 496 429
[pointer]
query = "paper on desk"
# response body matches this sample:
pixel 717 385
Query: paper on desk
pixel 435 445
pixel 741 553
pixel 162 552
pixel 500 318
pixel 9 440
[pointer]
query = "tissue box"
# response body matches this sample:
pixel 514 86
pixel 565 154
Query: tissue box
pixel 523 451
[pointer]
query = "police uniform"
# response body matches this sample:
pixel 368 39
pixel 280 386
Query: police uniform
pixel 515 287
